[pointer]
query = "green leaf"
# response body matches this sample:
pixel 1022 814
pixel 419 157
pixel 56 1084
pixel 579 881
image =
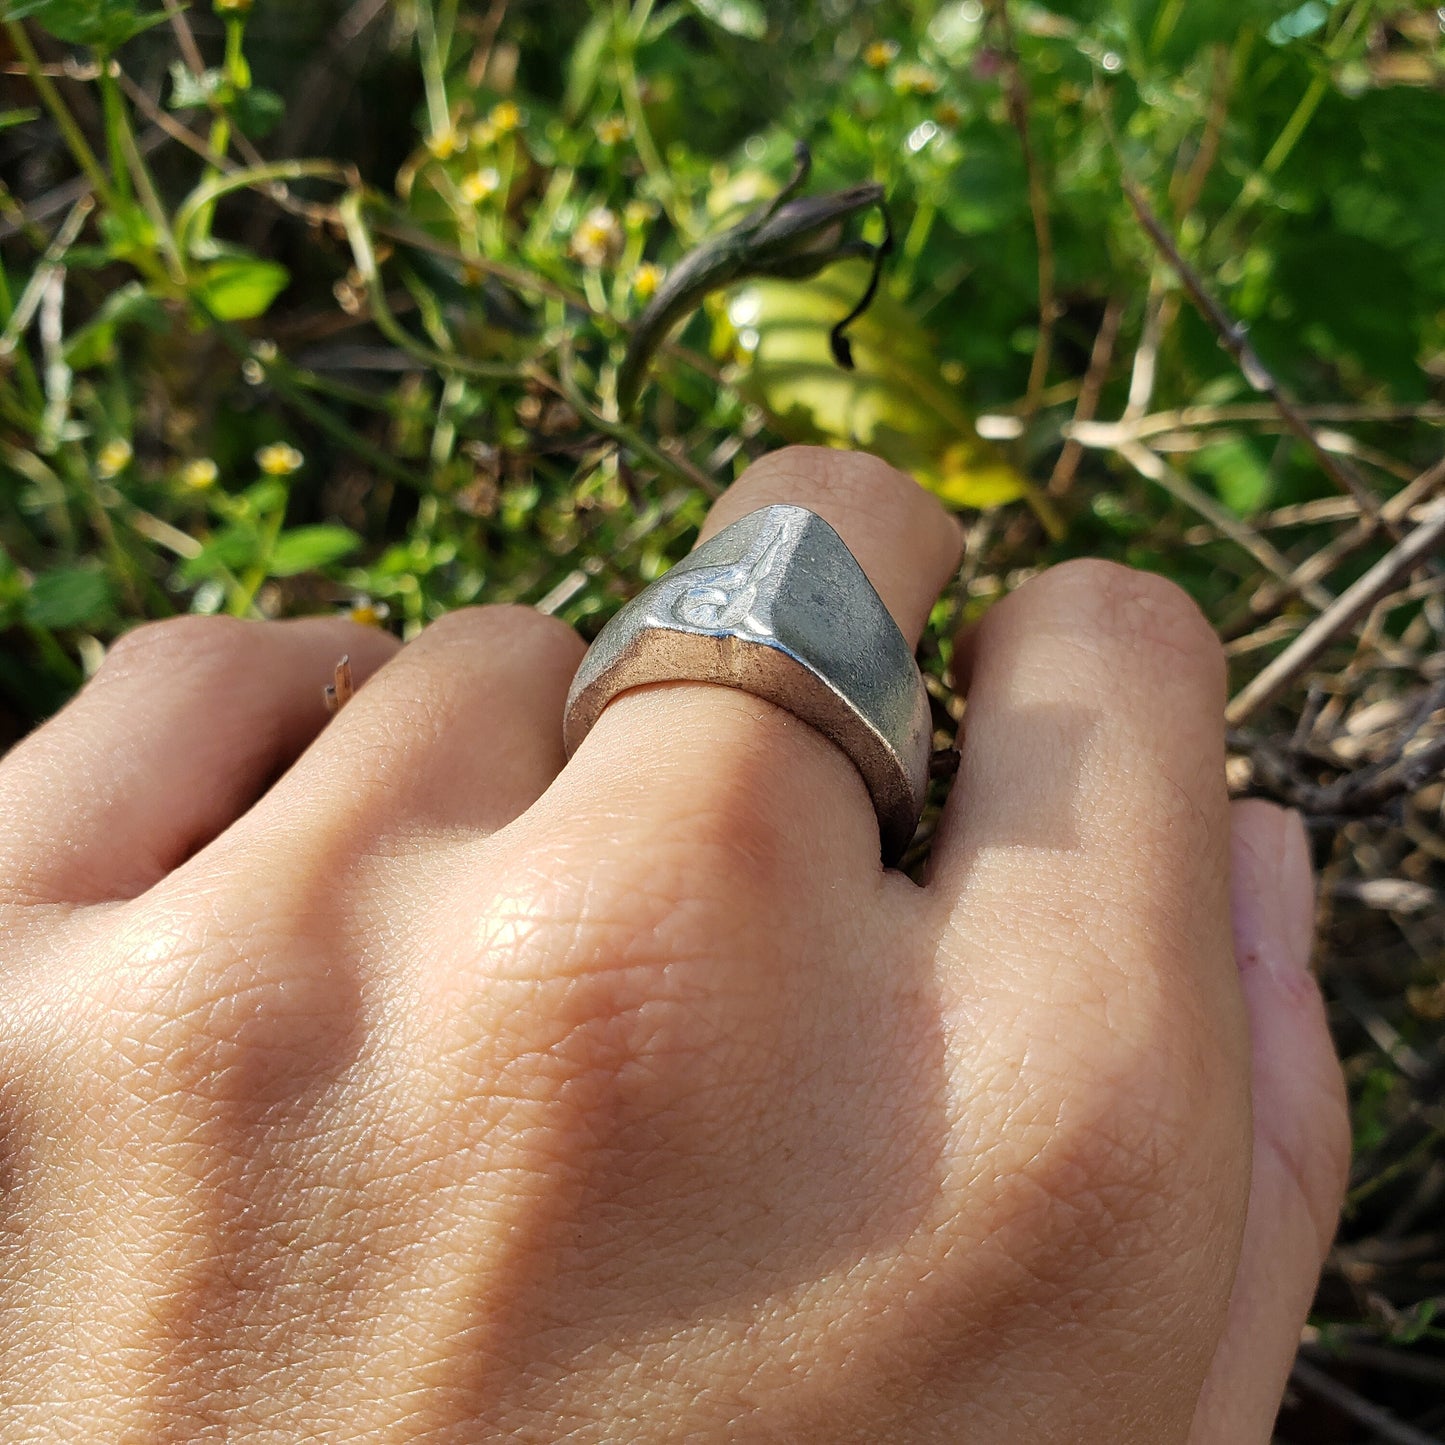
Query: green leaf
pixel 95 343
pixel 303 549
pixel 1241 479
pixel 585 63
pixel 69 597
pixel 128 233
pixel 235 546
pixel 105 24
pixel 743 18
pixel 257 111
pixel 239 288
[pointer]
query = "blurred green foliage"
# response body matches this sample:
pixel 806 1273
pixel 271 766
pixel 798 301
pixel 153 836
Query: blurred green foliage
pixel 294 313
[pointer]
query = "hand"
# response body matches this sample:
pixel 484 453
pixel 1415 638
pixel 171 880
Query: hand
pixel 389 1081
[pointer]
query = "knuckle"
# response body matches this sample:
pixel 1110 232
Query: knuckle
pixel 1131 1134
pixel 176 642
pixel 508 629
pixel 615 956
pixel 814 476
pixel 1147 612
pixel 209 1005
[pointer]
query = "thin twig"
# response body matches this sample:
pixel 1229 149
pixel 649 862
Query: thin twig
pixel 1188 186
pixel 1395 510
pixel 1385 1425
pixel 1234 338
pixel 185 37
pixel 54 258
pixel 1153 467
pixel 1160 308
pixel 1185 418
pixel 1100 359
pixel 1395 1362
pixel 677 466
pixel 1016 93
pixel 1348 608
pixel 329 69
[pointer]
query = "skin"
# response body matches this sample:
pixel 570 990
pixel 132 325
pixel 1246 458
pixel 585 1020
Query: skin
pixel 387 1080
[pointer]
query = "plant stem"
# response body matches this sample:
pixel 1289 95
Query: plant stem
pixel 625 33
pixel 115 125
pixel 50 97
pixel 439 115
pixel 244 600
pixel 365 257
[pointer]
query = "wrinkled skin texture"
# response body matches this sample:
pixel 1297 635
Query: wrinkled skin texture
pixel 389 1082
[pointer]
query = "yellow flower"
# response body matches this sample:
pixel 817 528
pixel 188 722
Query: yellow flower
pixel 114 458
pixel 598 240
pixel 636 214
pixel 199 474
pixel 279 459
pixel 232 7
pixel 646 279
pixel 915 80
pixel 367 612
pixel 879 54
pixel 444 144
pixel 477 186
pixel 484 135
pixel 505 116
pixel 612 130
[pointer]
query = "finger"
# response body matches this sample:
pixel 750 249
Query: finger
pixel 1301 1128
pixel 183 727
pixel 459 733
pixel 1080 877
pixel 1091 778
pixel 715 766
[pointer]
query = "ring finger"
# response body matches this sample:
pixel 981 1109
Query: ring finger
pixel 727 774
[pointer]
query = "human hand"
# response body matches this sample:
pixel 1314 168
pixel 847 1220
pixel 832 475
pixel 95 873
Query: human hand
pixel 389 1081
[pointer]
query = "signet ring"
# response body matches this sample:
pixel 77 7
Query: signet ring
pixel 777 606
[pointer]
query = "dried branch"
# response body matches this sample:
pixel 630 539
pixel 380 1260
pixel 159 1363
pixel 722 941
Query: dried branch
pixel 1234 338
pixel 1153 467
pixel 1385 1425
pixel 1016 94
pixel 1396 509
pixel 185 37
pixel 1351 605
pixel 1100 359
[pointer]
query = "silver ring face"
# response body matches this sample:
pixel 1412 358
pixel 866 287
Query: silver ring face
pixel 777 606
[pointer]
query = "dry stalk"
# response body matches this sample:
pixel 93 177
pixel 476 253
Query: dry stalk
pixel 1100 360
pixel 1234 338
pixel 1016 95
pixel 1352 604
pixel 1155 469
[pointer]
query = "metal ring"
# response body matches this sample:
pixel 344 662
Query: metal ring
pixel 777 606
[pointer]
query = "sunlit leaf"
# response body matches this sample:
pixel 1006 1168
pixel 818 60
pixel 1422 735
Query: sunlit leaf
pixel 895 402
pixel 303 549
pixel 744 18
pixel 238 288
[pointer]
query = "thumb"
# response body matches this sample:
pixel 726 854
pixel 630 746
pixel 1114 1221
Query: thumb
pixel 1301 1129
